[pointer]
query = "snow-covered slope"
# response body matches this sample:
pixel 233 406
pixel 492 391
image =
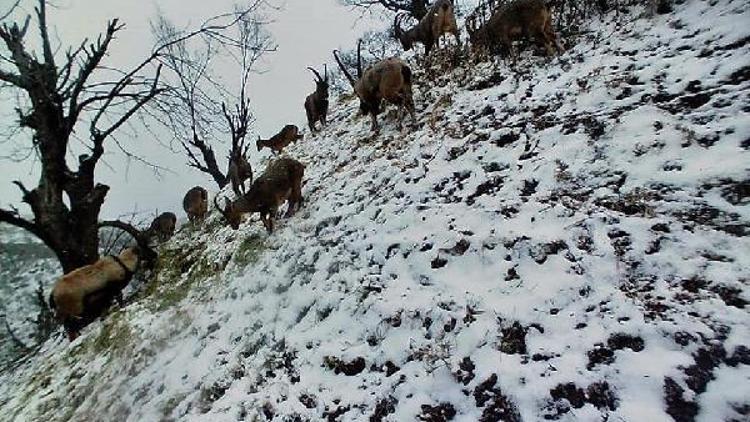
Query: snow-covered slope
pixel 25 265
pixel 567 239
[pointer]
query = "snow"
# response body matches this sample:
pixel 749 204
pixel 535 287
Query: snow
pixel 569 199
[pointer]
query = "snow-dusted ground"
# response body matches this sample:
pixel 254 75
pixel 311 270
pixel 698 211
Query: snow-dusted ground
pixel 25 263
pixel 567 240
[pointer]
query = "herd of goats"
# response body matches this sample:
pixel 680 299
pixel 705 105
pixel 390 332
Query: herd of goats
pixel 81 296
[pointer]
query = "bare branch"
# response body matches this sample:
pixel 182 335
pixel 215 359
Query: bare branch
pixel 13 218
pixel 94 54
pixel 416 8
pixel 41 13
pixel 12 8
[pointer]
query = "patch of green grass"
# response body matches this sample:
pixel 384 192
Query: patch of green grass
pixel 115 335
pixel 249 250
pixel 178 273
pixel 169 406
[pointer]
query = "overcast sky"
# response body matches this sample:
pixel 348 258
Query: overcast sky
pixel 306 31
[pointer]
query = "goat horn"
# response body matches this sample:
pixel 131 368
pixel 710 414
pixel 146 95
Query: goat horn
pixel 343 68
pixel 325 71
pixel 359 59
pixel 316 74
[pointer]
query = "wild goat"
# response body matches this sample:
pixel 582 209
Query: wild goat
pixel 278 142
pixel 82 295
pixel 316 104
pixel 195 203
pixel 162 226
pixel 388 79
pixel 239 171
pixel 439 20
pixel 518 19
pixel 281 181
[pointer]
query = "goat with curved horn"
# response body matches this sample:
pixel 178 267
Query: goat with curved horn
pixel 280 182
pixel 316 104
pixel 389 79
pixel 530 19
pixel 439 20
pixel 343 68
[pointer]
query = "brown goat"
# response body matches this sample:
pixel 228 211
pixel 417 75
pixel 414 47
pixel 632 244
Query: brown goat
pixel 278 142
pixel 195 203
pixel 281 181
pixel 239 171
pixel 162 226
pixel 388 79
pixel 439 20
pixel 316 104
pixel 518 19
pixel 82 295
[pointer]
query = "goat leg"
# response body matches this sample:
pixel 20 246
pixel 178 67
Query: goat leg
pixel 374 126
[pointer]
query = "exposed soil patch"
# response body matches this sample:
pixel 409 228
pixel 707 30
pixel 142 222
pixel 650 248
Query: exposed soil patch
pixel 384 408
pixel 498 406
pixel 339 366
pixel 514 339
pixel 438 413
pixel 602 354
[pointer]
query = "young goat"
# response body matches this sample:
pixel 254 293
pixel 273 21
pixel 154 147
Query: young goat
pixel 82 295
pixel 518 19
pixel 239 171
pixel 281 181
pixel 195 203
pixel 439 20
pixel 389 79
pixel 316 104
pixel 162 226
pixel 278 142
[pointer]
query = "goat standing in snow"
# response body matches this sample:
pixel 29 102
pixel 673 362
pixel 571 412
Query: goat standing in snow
pixel 84 294
pixel 316 104
pixel 518 19
pixel 281 181
pixel 162 226
pixel 439 20
pixel 239 171
pixel 389 79
pixel 278 142
pixel 195 203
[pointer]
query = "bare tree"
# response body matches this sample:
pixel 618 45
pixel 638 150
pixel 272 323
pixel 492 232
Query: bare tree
pixel 201 110
pixel 416 8
pixel 61 97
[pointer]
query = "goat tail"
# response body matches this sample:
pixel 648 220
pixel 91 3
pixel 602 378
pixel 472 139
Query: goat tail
pixel 406 73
